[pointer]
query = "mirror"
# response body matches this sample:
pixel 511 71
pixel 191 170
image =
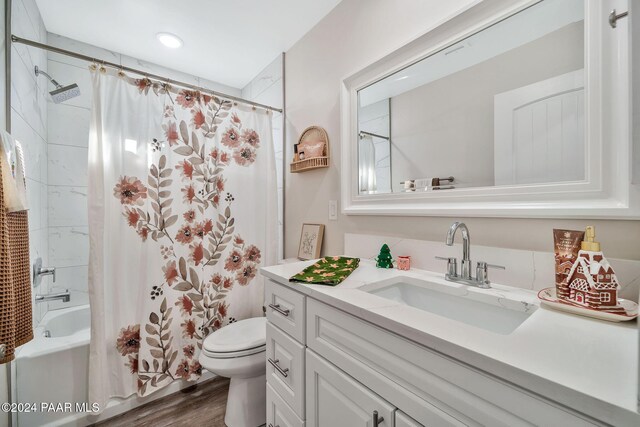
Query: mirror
pixel 502 107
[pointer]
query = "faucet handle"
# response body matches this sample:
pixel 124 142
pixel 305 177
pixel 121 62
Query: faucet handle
pixel 452 265
pixel 482 274
pixel 47 271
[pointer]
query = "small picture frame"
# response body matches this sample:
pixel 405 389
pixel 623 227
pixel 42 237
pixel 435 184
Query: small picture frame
pixel 310 241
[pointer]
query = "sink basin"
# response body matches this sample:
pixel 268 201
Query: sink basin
pixel 455 303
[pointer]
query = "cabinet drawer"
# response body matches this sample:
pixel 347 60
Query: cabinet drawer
pixel 431 388
pixel 285 309
pixel 334 399
pixel 279 414
pixel 285 368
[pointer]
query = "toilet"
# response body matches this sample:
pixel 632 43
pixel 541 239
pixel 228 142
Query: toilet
pixel 238 352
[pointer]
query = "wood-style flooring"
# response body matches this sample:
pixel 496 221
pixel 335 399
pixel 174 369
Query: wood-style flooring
pixel 200 405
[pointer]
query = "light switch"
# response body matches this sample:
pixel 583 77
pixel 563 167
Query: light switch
pixel 333 210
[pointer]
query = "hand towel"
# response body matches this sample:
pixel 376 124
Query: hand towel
pixel 329 271
pixel 13 173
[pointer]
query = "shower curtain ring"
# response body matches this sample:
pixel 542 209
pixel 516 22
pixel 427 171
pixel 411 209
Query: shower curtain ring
pixel 103 69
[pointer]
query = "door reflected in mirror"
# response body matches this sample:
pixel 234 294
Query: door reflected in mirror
pixel 502 107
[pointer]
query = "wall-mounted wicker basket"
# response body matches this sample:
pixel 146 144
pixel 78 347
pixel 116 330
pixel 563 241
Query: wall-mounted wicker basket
pixel 309 140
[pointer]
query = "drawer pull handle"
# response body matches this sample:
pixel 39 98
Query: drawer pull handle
pixel 274 363
pixel 377 420
pixel 277 308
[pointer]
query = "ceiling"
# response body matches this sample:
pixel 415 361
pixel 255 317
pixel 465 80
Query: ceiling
pixel 228 42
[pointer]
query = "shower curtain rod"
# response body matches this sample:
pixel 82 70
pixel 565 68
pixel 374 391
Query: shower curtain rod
pixel 362 132
pixel 16 39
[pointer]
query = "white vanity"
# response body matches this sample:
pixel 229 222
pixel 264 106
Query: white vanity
pixel 420 351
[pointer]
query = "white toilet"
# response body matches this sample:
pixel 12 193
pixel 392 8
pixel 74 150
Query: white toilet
pixel 237 351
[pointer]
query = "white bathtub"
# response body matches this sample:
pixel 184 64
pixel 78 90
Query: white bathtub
pixel 54 369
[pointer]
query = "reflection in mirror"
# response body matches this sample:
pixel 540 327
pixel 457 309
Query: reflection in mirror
pixel 504 106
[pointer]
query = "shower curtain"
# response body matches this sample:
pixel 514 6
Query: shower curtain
pixel 367 164
pixel 182 213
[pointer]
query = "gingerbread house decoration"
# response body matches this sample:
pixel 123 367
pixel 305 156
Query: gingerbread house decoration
pixel 563 267
pixel 592 283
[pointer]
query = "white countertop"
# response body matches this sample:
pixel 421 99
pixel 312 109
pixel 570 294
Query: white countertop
pixel 586 364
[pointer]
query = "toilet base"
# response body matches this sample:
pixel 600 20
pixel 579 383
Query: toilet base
pixel 247 402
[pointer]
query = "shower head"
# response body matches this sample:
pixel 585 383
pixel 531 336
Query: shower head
pixel 61 93
pixel 64 93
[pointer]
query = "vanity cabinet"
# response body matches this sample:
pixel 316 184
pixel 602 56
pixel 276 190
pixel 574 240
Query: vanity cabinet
pixel 341 369
pixel 335 399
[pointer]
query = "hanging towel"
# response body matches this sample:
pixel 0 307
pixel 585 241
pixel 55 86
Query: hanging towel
pixel 13 173
pixel 16 326
pixel 327 271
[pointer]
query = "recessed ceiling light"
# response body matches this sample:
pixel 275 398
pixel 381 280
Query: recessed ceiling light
pixel 169 40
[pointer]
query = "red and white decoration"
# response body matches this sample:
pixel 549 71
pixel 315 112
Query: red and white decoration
pixel 592 283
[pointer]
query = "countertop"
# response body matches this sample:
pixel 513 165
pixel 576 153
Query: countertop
pixel 585 364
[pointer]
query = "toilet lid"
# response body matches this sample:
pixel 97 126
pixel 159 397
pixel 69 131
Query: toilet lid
pixel 237 337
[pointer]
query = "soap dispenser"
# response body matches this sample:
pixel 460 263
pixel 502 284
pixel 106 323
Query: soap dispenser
pixel 592 283
pixel 589 243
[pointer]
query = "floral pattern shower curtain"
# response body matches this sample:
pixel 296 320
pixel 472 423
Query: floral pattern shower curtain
pixel 182 212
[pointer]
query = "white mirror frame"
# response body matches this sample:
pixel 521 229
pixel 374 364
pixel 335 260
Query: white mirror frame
pixel 607 191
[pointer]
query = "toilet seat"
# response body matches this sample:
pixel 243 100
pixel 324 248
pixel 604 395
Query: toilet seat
pixel 230 354
pixel 239 339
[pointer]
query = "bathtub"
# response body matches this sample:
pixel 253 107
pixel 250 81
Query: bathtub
pixel 54 369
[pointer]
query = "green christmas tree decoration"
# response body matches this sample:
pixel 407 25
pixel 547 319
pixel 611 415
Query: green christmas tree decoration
pixel 384 259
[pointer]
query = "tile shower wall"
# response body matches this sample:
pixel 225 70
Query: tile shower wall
pixel 29 126
pixel 266 88
pixel 68 130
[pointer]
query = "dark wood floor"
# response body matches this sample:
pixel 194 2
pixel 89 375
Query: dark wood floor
pixel 201 405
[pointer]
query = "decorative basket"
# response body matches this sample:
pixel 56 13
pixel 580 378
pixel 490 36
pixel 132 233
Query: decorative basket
pixel 310 138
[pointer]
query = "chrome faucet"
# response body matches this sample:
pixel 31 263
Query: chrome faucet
pixel 482 278
pixel 466 246
pixel 63 296
pixel 39 271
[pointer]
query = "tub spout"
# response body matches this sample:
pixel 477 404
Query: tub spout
pixel 63 296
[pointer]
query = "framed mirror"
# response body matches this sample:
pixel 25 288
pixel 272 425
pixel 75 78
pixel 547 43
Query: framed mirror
pixel 498 112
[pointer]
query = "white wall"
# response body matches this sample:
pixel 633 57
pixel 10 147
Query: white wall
pixel 352 36
pixel 266 88
pixel 29 126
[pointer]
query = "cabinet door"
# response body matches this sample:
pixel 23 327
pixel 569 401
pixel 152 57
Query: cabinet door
pixel 334 399
pixel 279 414
pixel 404 420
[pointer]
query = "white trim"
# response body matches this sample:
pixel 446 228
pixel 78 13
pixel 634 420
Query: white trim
pixel 606 192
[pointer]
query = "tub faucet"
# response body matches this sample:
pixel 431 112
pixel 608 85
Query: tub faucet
pixel 482 277
pixel 63 296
